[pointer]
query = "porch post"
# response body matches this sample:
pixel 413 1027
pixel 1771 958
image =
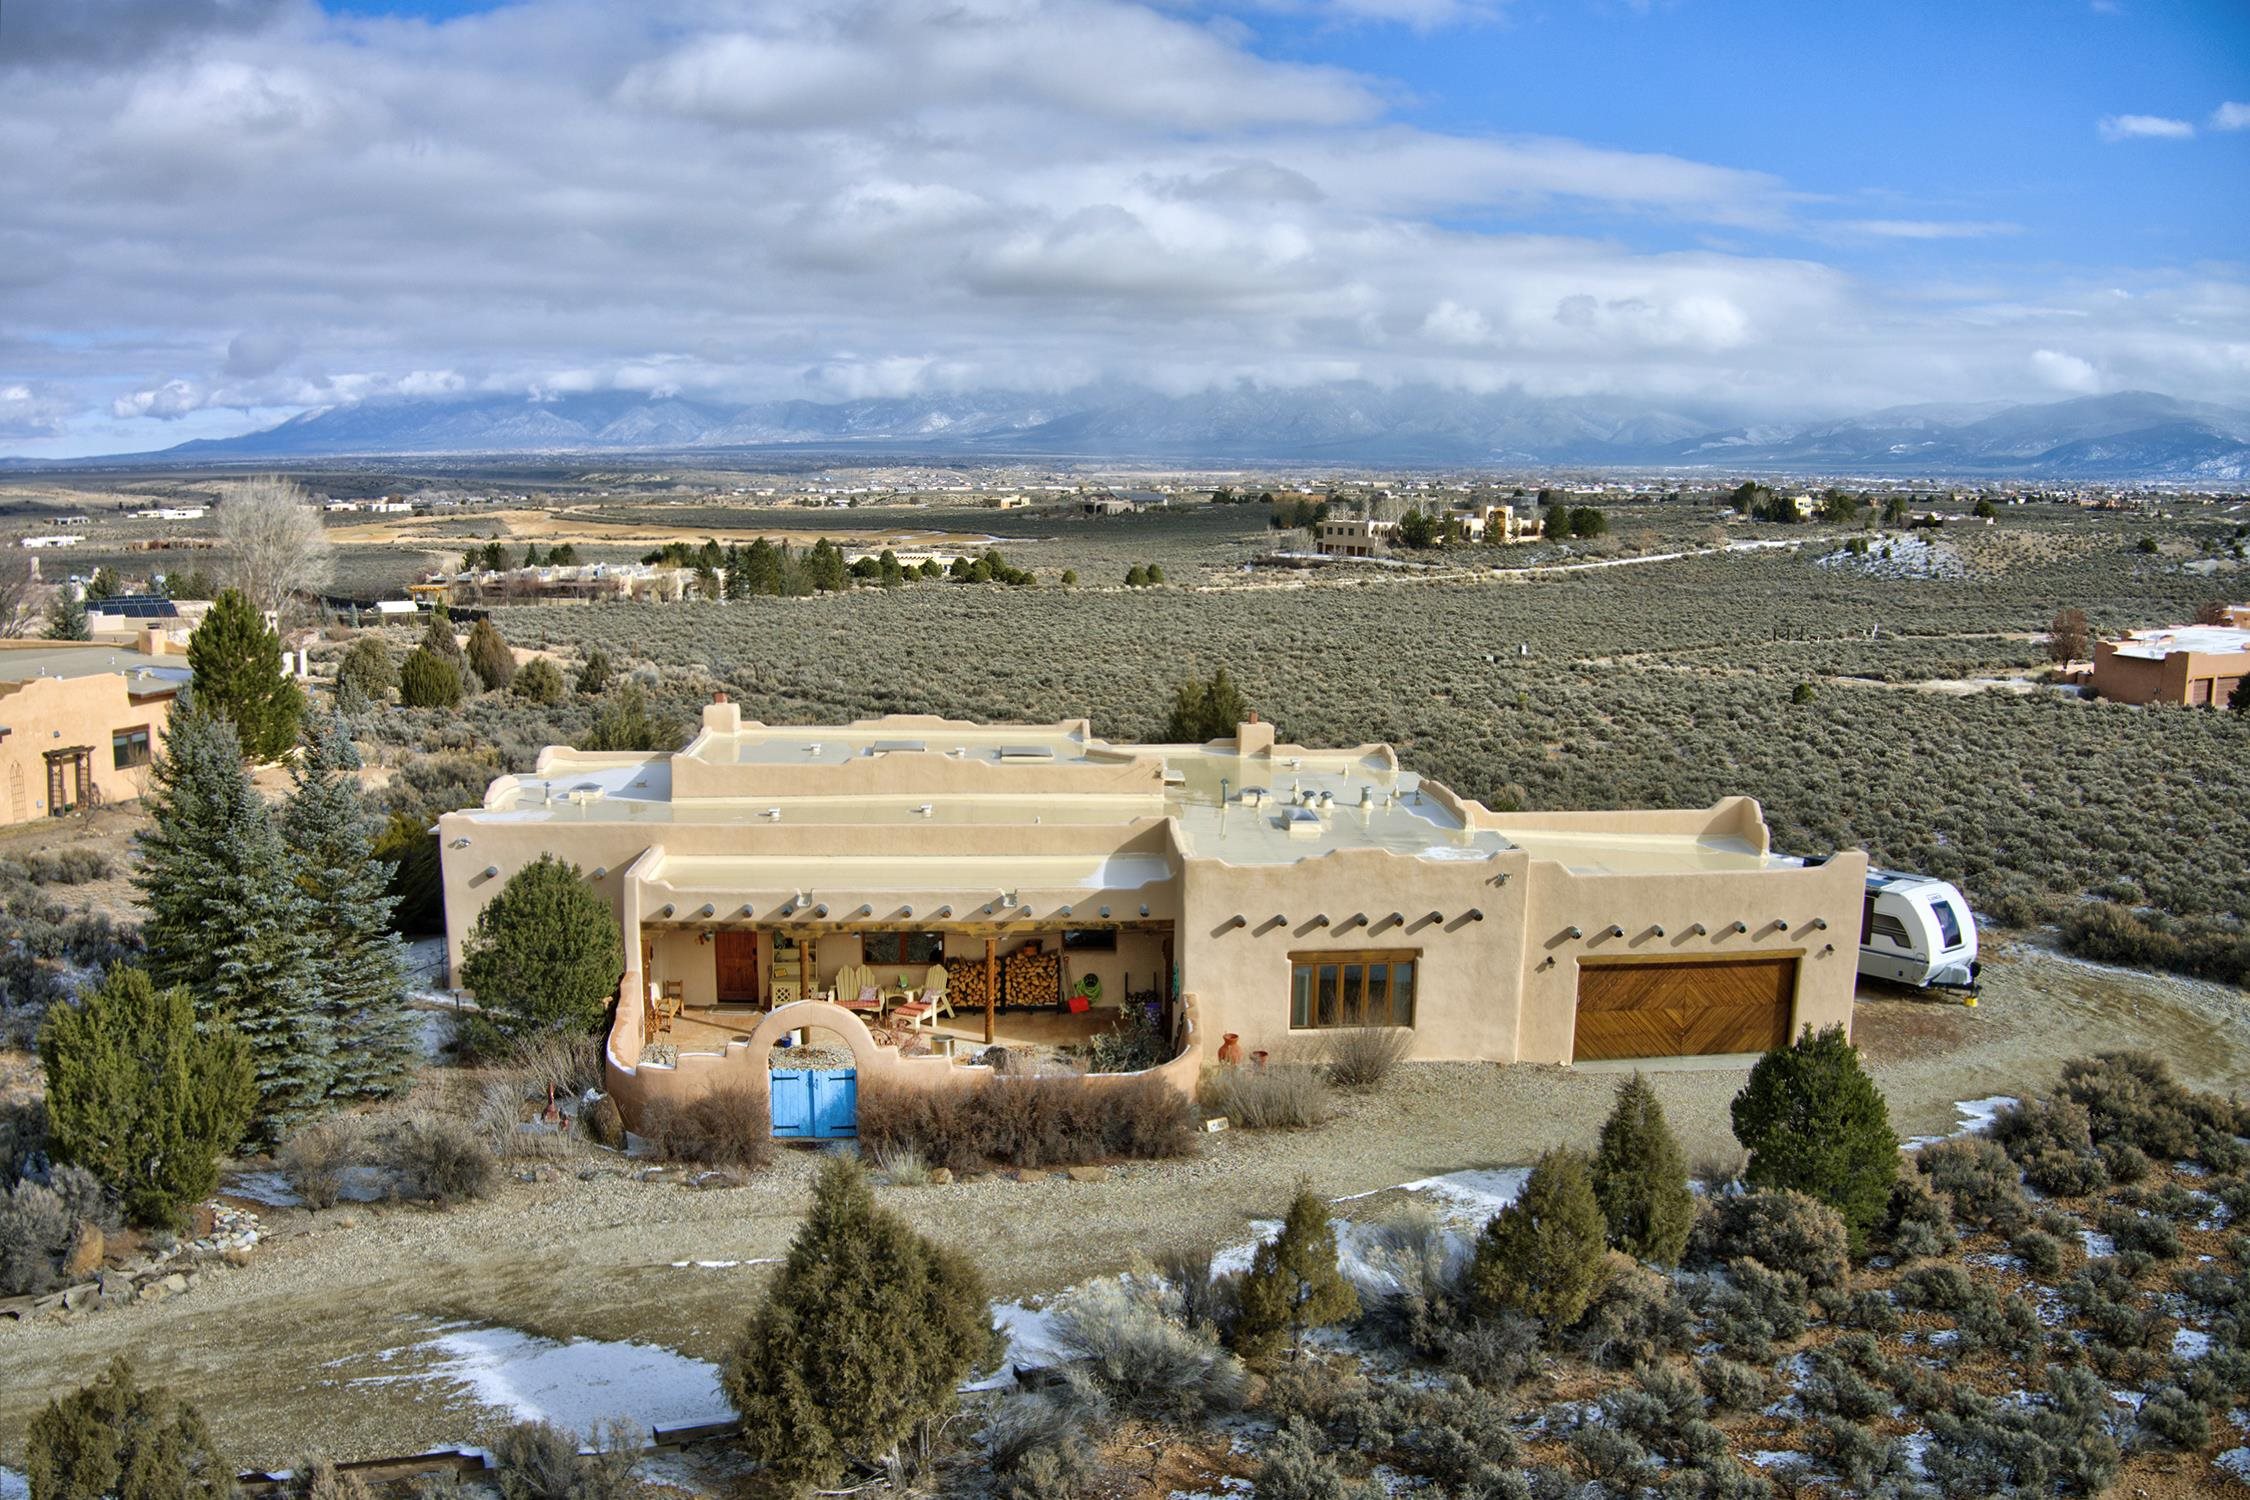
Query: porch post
pixel 991 984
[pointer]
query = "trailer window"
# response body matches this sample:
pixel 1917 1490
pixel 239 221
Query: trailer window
pixel 1949 923
pixel 1890 929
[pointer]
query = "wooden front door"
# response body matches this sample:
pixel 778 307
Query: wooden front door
pixel 737 959
pixel 1683 1008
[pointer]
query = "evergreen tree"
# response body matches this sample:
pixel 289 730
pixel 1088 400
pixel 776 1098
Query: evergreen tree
pixel 489 656
pixel 540 681
pixel 367 672
pixel 359 965
pixel 761 569
pixel 226 917
pixel 437 638
pixel 66 618
pixel 867 1333
pixel 1294 1283
pixel 531 558
pixel 238 677
pixel 545 955
pixel 141 1097
pixel 1640 1177
pixel 628 722
pixel 105 584
pixel 1542 1254
pixel 594 675
pixel 824 565
pixel 1814 1121
pixel 428 680
pixel 116 1439
pixel 417 887
pixel 1205 711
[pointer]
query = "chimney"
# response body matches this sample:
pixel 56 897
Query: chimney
pixel 1253 738
pixel 721 716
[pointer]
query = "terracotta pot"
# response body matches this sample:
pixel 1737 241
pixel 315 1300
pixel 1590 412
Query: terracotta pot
pixel 1259 1057
pixel 1230 1049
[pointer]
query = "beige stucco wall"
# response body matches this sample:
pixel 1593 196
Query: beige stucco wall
pixel 50 713
pixel 2205 678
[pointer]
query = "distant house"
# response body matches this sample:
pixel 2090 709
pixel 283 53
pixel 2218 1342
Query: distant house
pixel 1500 523
pixel 80 722
pixel 1353 537
pixel 1011 502
pixel 45 543
pixel 391 507
pixel 171 513
pixel 2196 665
pixel 128 619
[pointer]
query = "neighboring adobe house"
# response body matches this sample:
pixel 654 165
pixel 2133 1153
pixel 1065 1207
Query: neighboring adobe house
pixel 80 722
pixel 2196 665
pixel 1275 891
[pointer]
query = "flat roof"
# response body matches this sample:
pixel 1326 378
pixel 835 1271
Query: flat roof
pixel 2205 640
pixel 29 660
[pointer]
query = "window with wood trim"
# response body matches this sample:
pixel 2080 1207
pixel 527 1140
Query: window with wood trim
pixel 1371 988
pixel 901 947
pixel 129 748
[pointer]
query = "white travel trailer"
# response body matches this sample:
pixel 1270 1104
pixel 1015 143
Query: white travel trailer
pixel 1916 930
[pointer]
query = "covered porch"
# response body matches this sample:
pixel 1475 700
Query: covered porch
pixel 1049 954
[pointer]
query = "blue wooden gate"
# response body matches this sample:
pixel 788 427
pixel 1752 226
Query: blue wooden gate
pixel 819 1104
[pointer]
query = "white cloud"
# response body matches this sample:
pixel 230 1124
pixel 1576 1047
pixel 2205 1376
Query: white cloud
pixel 2144 128
pixel 2065 372
pixel 2231 116
pixel 875 197
pixel 1927 229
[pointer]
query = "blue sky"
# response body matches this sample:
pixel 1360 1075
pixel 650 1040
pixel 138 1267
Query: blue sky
pixel 218 213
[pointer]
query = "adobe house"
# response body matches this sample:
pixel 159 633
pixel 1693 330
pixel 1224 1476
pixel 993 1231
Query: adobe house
pixel 2195 665
pixel 81 721
pixel 1269 891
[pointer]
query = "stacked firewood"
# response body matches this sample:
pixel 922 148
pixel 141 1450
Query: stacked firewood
pixel 964 983
pixel 1031 977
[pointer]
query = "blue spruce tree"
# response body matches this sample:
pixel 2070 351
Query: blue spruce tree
pixel 360 964
pixel 228 919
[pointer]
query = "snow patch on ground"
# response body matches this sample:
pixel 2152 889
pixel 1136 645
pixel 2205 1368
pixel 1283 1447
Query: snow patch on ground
pixel 356 1185
pixel 2235 1461
pixel 1976 1115
pixel 14 1486
pixel 2190 1343
pixel 1898 557
pixel 2097 1244
pixel 1030 1336
pixel 578 1384
pixel 724 1265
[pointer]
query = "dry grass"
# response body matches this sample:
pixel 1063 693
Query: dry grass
pixel 1278 1096
pixel 729 1127
pixel 1029 1122
pixel 1363 1056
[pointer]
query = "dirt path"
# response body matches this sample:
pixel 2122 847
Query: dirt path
pixel 304 1343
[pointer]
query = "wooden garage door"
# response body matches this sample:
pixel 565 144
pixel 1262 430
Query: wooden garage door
pixel 1683 1008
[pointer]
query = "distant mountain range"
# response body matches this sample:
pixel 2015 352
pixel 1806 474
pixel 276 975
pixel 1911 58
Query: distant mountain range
pixel 2132 435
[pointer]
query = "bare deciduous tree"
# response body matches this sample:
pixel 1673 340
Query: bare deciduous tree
pixel 19 585
pixel 272 543
pixel 2066 637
